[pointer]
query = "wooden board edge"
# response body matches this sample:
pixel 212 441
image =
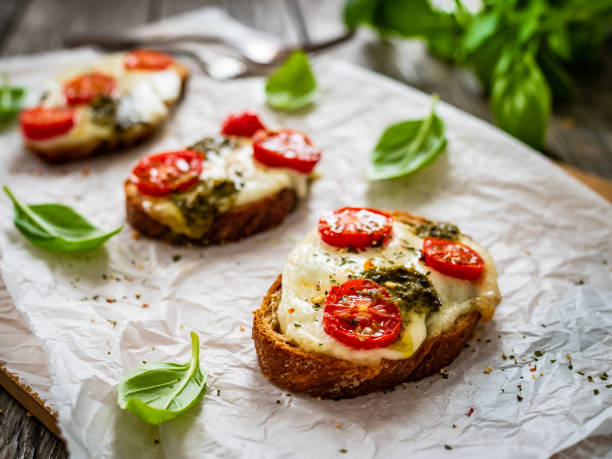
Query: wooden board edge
pixel 599 185
pixel 30 400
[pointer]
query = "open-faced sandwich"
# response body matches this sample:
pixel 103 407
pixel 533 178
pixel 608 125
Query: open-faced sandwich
pixel 370 299
pixel 113 102
pixel 222 188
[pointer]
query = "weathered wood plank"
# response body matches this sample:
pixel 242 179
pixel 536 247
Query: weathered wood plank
pixel 11 13
pixel 46 22
pixel 23 436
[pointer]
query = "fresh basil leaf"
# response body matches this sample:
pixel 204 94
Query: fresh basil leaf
pixel 560 82
pixel 293 85
pixel 485 60
pixel 359 12
pixel 480 30
pixel 11 99
pixel 408 146
pixel 530 21
pixel 520 98
pixel 160 391
pixel 56 227
pixel 559 42
pixel 417 18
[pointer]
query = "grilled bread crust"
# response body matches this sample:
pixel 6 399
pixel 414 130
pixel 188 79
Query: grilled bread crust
pixel 328 377
pixel 231 226
pixel 131 136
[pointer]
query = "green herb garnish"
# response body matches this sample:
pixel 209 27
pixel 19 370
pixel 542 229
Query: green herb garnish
pixel 520 51
pixel 442 230
pixel 409 289
pixel 293 85
pixel 11 99
pixel 57 227
pixel 520 98
pixel 408 146
pixel 160 391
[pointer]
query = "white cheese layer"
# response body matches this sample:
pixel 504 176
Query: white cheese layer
pixel 143 98
pixel 254 181
pixel 313 267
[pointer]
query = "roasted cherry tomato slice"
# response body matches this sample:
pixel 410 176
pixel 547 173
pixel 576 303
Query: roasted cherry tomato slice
pixel 87 87
pixel 41 123
pixel 355 227
pixel 285 148
pixel 359 314
pixel 161 174
pixel 452 258
pixel 147 59
pixel 243 124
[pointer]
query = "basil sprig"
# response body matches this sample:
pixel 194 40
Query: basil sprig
pixel 543 39
pixel 57 227
pixel 160 391
pixel 408 146
pixel 519 87
pixel 11 98
pixel 293 85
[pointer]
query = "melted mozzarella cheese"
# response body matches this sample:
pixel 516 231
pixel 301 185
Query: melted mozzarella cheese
pixel 313 267
pixel 257 181
pixel 254 181
pixel 143 98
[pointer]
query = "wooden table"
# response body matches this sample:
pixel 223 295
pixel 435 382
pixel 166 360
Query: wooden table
pixel 580 134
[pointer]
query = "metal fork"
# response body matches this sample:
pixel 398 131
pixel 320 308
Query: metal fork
pixel 256 52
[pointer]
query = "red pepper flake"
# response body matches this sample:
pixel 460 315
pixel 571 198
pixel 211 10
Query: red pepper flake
pixel 469 413
pixel 145 305
pixel 534 368
pixel 291 310
pixel 110 300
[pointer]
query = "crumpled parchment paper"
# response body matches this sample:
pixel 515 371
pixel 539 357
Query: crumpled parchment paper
pixel 101 314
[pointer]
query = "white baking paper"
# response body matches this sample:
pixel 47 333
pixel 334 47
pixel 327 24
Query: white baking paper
pixel 550 236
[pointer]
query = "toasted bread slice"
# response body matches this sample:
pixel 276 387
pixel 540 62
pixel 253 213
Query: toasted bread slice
pixel 233 225
pixel 328 377
pixel 57 151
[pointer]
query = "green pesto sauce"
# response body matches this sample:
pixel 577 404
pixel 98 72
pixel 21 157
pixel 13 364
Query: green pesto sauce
pixel 121 114
pixel 410 289
pixel 104 110
pixel 441 230
pixel 214 145
pixel 201 204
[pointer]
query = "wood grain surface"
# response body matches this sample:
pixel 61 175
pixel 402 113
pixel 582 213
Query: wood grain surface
pixel 579 136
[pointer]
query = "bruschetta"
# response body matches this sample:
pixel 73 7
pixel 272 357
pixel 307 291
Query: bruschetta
pixel 224 187
pixel 370 299
pixel 113 102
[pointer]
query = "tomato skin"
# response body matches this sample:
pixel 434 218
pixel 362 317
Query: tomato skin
pixel 161 174
pixel 244 124
pixel 147 59
pixel 360 315
pixel 356 227
pixel 285 148
pixel 452 258
pixel 40 123
pixel 84 88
